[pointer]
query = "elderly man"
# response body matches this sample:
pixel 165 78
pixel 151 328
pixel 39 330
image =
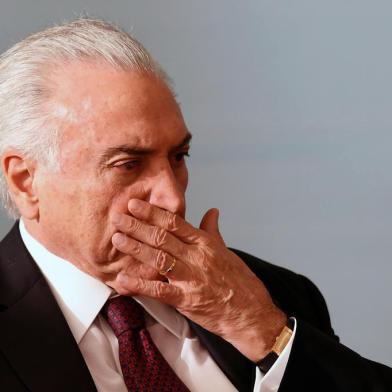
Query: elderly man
pixel 104 285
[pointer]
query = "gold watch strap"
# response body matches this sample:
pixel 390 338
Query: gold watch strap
pixel 281 342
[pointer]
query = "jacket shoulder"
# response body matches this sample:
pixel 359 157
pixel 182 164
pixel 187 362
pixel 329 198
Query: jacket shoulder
pixel 18 272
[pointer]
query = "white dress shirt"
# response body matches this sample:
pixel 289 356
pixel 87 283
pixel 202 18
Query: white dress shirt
pixel 81 297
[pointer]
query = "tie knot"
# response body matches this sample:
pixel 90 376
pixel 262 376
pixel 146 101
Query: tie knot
pixel 123 313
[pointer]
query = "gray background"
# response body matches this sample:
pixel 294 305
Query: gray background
pixel 290 104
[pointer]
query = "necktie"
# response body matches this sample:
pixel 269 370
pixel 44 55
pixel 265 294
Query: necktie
pixel 143 367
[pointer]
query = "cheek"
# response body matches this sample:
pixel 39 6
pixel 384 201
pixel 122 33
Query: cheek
pixel 76 215
pixel 75 212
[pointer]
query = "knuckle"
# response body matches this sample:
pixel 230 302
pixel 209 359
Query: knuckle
pixel 159 237
pixel 133 224
pixel 171 221
pixel 136 247
pixel 161 291
pixel 139 285
pixel 161 260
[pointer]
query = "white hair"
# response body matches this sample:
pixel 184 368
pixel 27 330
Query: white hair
pixel 25 88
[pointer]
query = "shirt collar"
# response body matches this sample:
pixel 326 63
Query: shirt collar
pixel 81 296
pixel 166 316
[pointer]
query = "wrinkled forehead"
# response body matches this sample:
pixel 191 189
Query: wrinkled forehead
pixel 82 90
pixel 97 105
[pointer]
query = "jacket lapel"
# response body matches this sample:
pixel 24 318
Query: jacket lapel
pixel 34 336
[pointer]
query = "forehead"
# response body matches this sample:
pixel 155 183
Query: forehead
pixel 101 105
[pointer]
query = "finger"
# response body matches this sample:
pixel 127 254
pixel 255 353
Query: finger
pixel 165 219
pixel 142 271
pixel 210 224
pixel 155 258
pixel 151 235
pixel 162 291
pixel 124 264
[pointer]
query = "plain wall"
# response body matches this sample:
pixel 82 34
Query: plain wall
pixel 290 106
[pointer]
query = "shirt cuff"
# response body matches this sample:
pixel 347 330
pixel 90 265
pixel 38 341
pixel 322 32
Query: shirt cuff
pixel 270 381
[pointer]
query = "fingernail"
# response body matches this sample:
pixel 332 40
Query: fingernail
pixel 134 205
pixel 122 279
pixel 118 239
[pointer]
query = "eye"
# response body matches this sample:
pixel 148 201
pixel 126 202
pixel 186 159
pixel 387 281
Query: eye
pixel 181 156
pixel 127 165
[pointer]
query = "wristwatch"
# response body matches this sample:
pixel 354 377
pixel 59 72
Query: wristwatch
pixel 281 341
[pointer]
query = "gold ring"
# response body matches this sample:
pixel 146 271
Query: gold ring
pixel 166 271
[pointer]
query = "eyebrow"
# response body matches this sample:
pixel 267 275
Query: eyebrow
pixel 138 151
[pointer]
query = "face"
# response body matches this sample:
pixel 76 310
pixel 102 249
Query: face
pixel 122 137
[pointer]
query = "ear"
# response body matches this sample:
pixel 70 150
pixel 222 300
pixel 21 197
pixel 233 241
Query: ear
pixel 19 173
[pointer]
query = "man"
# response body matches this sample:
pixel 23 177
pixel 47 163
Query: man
pixel 93 148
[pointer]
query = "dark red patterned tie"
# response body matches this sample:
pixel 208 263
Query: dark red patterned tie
pixel 144 369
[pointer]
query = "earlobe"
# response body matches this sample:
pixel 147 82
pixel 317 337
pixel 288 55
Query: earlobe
pixel 19 173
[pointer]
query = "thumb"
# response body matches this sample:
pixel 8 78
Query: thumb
pixel 210 224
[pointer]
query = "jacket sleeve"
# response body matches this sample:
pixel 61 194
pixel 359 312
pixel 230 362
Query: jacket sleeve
pixel 319 362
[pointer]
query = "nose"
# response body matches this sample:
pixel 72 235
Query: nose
pixel 167 191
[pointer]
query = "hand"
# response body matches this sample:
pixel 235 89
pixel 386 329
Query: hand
pixel 209 284
pixel 125 264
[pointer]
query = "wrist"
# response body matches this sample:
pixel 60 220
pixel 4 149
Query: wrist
pixel 279 346
pixel 258 337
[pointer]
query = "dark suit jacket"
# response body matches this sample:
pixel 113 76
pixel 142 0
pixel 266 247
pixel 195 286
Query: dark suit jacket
pixel 39 353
